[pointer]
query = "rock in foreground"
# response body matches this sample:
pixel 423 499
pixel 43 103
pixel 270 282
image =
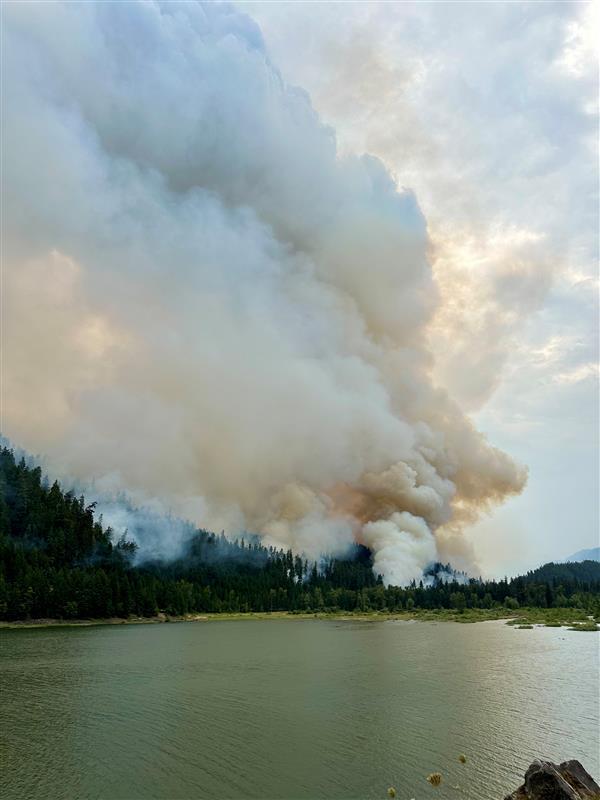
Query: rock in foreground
pixel 547 781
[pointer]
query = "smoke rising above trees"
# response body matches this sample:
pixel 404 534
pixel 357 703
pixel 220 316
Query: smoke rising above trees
pixel 208 306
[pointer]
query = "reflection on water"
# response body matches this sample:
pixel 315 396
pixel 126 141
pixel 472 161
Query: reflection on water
pixel 291 709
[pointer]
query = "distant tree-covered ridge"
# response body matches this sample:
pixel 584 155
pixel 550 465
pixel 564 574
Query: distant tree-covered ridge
pixel 57 561
pixel 556 573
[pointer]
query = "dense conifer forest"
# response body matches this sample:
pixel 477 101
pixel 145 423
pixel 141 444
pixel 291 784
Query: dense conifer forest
pixel 58 561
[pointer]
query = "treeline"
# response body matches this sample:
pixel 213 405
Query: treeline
pixel 57 561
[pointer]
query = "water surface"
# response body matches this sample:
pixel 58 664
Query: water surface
pixel 291 708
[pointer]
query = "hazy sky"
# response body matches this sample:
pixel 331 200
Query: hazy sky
pixel 489 112
pixel 215 300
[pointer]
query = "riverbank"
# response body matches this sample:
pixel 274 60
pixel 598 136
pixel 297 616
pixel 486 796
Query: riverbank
pixel 576 619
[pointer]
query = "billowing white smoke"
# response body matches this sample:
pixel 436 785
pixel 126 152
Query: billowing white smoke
pixel 403 545
pixel 206 304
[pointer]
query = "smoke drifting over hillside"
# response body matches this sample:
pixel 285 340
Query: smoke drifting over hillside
pixel 205 305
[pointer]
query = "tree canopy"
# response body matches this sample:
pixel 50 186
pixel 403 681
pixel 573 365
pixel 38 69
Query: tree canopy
pixel 58 561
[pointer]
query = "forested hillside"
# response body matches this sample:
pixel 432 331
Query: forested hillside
pixel 557 573
pixel 57 561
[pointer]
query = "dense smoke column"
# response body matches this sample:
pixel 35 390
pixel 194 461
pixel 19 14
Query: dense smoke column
pixel 234 317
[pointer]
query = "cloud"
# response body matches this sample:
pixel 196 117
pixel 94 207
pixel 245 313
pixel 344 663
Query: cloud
pixel 490 114
pixel 490 286
pixel 589 370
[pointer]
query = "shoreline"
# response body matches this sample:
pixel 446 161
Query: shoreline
pixel 575 619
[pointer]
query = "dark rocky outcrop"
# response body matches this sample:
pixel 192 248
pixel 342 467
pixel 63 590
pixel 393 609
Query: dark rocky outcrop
pixel 547 781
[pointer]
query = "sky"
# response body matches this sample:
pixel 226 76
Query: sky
pixel 489 112
pixel 322 271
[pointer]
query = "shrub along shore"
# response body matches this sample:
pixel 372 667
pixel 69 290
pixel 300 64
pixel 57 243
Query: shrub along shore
pixel 574 619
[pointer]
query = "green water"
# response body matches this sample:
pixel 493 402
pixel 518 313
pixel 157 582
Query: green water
pixel 291 709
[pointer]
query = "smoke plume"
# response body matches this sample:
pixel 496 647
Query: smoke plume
pixel 206 305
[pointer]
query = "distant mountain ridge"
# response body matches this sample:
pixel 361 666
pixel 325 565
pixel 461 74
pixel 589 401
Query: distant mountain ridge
pixel 592 554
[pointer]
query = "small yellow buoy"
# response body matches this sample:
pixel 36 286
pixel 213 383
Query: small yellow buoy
pixel 462 759
pixel 391 792
pixel 435 778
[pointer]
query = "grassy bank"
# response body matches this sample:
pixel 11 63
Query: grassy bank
pixel 574 618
